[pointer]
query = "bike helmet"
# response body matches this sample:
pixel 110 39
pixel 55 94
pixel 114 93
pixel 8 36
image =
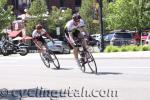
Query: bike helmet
pixel 39 26
pixel 76 17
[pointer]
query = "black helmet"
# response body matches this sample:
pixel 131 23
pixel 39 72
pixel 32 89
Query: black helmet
pixel 39 26
pixel 76 17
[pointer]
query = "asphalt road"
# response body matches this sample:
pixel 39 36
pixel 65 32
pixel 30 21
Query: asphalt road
pixel 27 78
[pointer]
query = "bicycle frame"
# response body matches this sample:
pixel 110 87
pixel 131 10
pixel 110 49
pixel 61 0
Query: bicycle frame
pixel 86 57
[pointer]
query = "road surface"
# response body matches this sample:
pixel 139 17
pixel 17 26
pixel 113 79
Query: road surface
pixel 26 78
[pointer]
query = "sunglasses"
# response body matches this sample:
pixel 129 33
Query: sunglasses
pixel 77 21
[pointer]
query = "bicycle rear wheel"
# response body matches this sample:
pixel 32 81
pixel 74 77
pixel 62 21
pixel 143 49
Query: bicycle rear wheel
pixel 45 60
pixel 82 64
pixel 81 60
pixel 91 62
pixel 54 59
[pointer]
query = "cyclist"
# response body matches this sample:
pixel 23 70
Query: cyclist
pixel 74 27
pixel 38 39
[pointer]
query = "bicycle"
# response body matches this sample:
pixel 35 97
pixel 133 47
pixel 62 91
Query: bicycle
pixel 49 57
pixel 86 57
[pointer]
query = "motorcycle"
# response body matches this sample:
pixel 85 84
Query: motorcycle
pixel 8 47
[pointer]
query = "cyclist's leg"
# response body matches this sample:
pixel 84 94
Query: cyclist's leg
pixel 84 42
pixel 44 44
pixel 38 44
pixel 69 38
pixel 75 49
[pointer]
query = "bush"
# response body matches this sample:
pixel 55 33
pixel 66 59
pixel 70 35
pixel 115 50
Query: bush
pixel 136 48
pixel 145 48
pixel 126 48
pixel 129 48
pixel 115 49
pixel 111 48
pixel 108 48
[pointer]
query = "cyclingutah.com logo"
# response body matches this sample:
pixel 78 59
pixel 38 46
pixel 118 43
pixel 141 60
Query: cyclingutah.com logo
pixel 69 92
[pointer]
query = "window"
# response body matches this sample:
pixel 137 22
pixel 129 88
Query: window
pixel 21 2
pixel 61 3
pixel 123 35
pixel 149 37
pixel 78 2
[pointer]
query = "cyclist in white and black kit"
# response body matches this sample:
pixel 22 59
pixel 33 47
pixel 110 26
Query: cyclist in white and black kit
pixel 37 37
pixel 76 23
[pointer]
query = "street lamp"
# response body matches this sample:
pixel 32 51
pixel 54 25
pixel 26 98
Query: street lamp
pixel 101 24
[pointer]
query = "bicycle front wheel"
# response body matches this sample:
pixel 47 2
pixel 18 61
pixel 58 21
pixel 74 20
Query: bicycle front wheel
pixel 45 60
pixel 91 62
pixel 54 59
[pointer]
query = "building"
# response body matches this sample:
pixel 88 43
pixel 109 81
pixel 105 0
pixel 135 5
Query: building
pixel 20 5
pixel 73 4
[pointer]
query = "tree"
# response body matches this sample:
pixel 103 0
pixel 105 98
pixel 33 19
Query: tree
pixel 128 14
pixel 86 11
pixel 37 11
pixel 105 13
pixel 58 18
pixel 5 15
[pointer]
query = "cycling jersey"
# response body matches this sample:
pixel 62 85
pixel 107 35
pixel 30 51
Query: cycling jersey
pixel 70 25
pixel 35 34
pixel 38 36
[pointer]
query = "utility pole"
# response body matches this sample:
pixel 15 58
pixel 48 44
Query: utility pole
pixel 101 25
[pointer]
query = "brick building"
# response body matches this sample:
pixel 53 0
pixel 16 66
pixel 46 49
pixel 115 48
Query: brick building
pixel 20 5
pixel 73 4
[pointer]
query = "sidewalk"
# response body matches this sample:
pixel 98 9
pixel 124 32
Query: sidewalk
pixel 116 55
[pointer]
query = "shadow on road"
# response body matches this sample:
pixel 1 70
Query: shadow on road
pixel 109 73
pixel 62 69
pixel 105 73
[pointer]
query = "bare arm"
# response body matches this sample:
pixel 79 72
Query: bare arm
pixel 47 35
pixel 83 29
pixel 71 40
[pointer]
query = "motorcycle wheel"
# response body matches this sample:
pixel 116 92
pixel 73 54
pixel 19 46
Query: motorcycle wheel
pixel 4 52
pixel 23 51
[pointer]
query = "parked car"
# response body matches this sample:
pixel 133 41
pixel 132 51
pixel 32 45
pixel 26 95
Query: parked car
pixel 0 46
pixel 96 36
pixel 136 37
pixel 144 36
pixel 92 41
pixel 148 40
pixel 122 38
pixel 58 46
pixel 107 39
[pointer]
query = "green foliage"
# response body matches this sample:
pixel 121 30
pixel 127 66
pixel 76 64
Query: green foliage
pixel 128 14
pixel 37 10
pixel 58 18
pixel 111 48
pixel 126 48
pixel 135 48
pixel 115 49
pixel 123 49
pixel 108 48
pixel 86 12
pixel 145 48
pixel 5 15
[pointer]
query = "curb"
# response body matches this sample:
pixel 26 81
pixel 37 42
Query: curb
pixel 117 55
